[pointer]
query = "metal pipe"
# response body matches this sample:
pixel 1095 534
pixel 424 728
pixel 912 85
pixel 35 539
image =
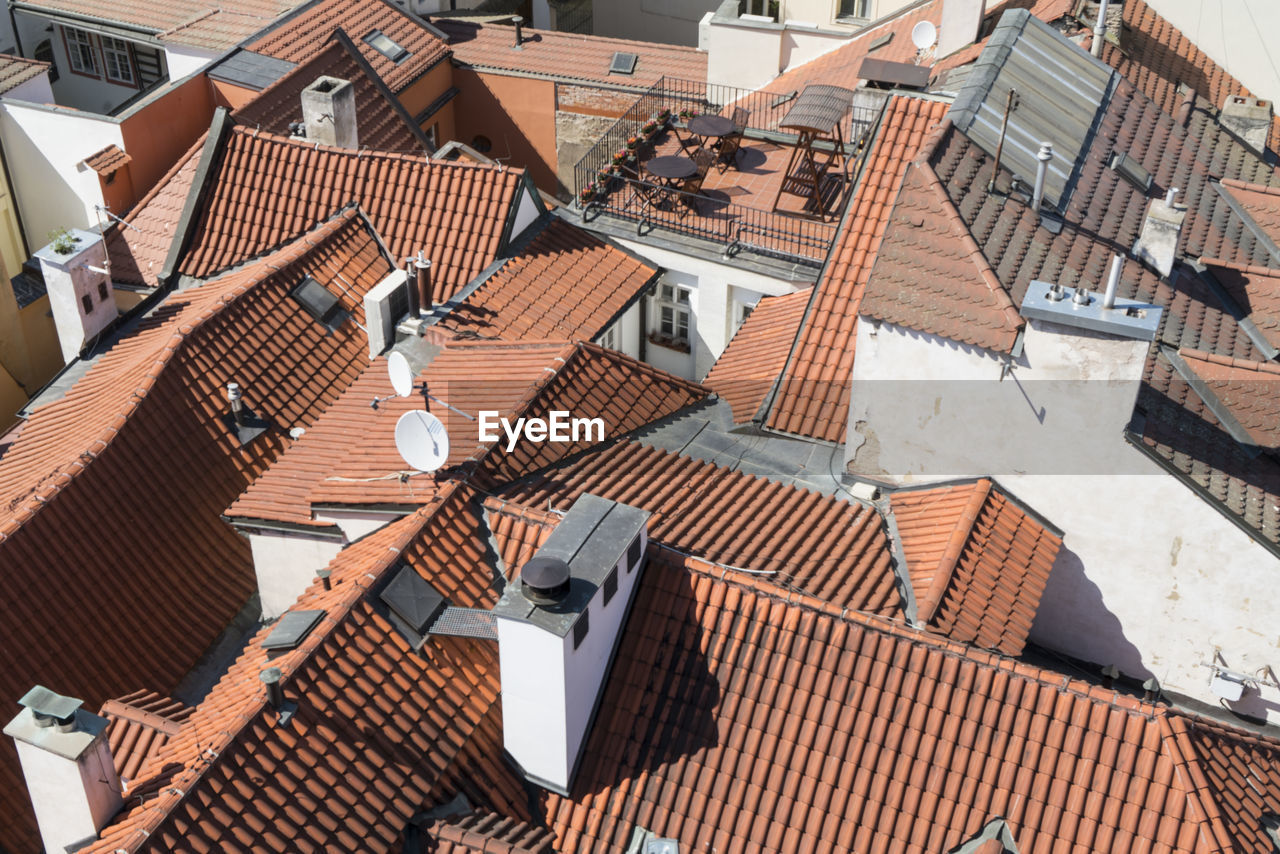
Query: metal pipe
pixel 1113 282
pixel 1169 196
pixel 1100 29
pixel 275 691
pixel 519 24
pixel 1004 129
pixel 1042 172
pixel 422 270
pixel 234 397
pixel 1187 105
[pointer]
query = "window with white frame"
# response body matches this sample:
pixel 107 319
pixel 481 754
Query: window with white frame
pixel 672 312
pixel 610 339
pixel 855 9
pixel 80 52
pixel 116 59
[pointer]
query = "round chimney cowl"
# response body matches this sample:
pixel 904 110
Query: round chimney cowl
pixel 544 580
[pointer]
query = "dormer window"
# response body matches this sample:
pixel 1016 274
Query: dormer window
pixel 383 44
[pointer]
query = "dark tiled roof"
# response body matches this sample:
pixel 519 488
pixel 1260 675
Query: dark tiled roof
pixel 379 126
pixel 16 70
pixel 1259 208
pixel 978 563
pixel 813 395
pixel 568 56
pixel 129 474
pixel 302 35
pixel 1249 391
pixel 565 284
pixel 1255 292
pixel 748 367
pixel 488 833
pixel 250 70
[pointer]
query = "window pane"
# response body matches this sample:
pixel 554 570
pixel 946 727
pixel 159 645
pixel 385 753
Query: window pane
pixel 80 51
pixel 682 294
pixel 115 55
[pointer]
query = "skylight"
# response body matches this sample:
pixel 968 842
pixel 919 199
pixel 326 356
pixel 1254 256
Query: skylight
pixel 320 303
pixel 383 44
pixel 623 63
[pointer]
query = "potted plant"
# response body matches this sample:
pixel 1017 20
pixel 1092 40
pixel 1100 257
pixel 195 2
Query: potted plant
pixel 62 241
pixel 633 143
pixel 664 116
pixel 649 128
pixel 588 194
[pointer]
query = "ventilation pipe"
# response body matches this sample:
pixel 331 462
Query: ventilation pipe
pixel 235 399
pixel 1042 173
pixel 518 21
pixel 275 691
pixel 422 275
pixel 1100 29
pixel 1113 282
pixel 1109 674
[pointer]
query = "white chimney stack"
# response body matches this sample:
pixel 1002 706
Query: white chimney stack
pixel 67 764
pixel 83 301
pixel 329 112
pixel 1042 173
pixel 1157 245
pixel 558 627
pixel 1249 119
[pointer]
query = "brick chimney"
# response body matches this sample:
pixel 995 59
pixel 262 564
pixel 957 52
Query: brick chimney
pixel 329 112
pixel 1249 119
pixel 67 765
pixel 1157 245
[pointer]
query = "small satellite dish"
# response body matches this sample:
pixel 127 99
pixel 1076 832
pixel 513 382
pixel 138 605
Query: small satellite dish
pixel 422 440
pixel 401 374
pixel 924 35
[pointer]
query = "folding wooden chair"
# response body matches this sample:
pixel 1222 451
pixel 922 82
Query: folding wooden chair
pixel 692 186
pixel 727 148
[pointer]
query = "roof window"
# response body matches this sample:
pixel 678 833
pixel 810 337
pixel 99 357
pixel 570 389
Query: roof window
pixel 382 43
pixel 1131 170
pixel 623 63
pixel 320 303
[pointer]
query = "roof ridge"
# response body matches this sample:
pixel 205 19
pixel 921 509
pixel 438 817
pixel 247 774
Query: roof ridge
pixel 960 535
pixel 1175 738
pixel 1252 269
pixel 374 154
pixel 1229 361
pixel 1249 186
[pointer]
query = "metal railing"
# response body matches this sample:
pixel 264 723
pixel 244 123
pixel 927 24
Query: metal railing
pixel 735 226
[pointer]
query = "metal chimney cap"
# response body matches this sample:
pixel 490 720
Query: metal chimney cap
pixel 544 579
pixel 270 676
pixel 49 706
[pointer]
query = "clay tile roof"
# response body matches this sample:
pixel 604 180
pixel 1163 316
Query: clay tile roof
pixel 380 733
pixel 978 563
pixel 1250 391
pixel 303 34
pixel 813 396
pixel 16 70
pixel 107 160
pixel 1259 207
pixel 567 283
pixel 130 471
pixel 519 532
pixel 266 189
pixel 930 276
pixel 141 724
pixel 1243 771
pixel 483 832
pixel 748 367
pixel 568 56
pixel 826 547
pixel 734 720
pixel 379 126
pixel 1255 291
pixel 196 23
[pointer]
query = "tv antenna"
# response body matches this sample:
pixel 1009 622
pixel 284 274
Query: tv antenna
pixel 422 441
pixel 401 373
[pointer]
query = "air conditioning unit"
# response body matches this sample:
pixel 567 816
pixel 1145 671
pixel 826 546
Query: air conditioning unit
pixel 385 305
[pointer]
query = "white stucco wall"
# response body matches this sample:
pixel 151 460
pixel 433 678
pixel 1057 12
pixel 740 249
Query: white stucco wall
pixel 1150 578
pixel 356 523
pixel 43 146
pixel 668 21
pixel 183 59
pixel 526 213
pixel 285 564
pixel 70 280
pixel 532 671
pixel 741 53
pixel 36 90
pixel 72 799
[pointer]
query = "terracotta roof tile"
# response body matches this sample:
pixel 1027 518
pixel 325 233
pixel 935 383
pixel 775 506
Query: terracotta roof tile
pixel 302 35
pixel 1260 205
pixel 379 126
pixel 826 547
pixel 489 833
pixel 1249 390
pixel 194 22
pixel 746 370
pixel 568 56
pixel 265 189
pixel 566 283
pixel 1241 772
pixel 1256 291
pixel 108 160
pixel 978 563
pixel 813 396
pixel 141 724
pixel 519 532
pixel 930 276
pixel 129 473
pixel 380 732
pixel 16 70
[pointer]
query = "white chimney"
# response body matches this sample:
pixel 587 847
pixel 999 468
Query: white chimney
pixel 329 112
pixel 1249 119
pixel 558 627
pixel 958 29
pixel 74 267
pixel 1157 245
pixel 67 764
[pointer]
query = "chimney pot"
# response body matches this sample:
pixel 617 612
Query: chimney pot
pixel 1099 29
pixel 323 575
pixel 1081 296
pixel 1113 282
pixel 518 21
pixel 422 273
pixel 275 691
pixel 329 112
pixel 235 399
pixel 1044 155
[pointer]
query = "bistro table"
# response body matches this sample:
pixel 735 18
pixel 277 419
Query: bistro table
pixel 709 126
pixel 671 168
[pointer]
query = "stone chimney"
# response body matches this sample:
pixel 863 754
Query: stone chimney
pixel 558 627
pixel 1249 119
pixel 67 764
pixel 329 112
pixel 1157 245
pixel 959 27
pixel 74 267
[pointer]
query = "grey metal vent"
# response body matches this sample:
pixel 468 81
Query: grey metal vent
pixel 623 63
pixel 413 600
pixel 319 302
pixel 1131 170
pixel 465 623
pixel 291 629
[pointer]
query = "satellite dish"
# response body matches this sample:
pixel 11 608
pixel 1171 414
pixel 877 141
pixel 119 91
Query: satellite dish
pixel 401 375
pixel 924 35
pixel 422 440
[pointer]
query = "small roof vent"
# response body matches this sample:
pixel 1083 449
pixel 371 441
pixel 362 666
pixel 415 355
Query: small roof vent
pixel 544 580
pixel 623 63
pixel 1131 170
pixel 413 600
pixel 49 707
pixel 291 630
pixel 320 302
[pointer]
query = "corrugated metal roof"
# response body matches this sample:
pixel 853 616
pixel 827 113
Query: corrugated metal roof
pixel 1064 92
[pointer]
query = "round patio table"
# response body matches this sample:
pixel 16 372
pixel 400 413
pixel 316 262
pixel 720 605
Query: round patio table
pixel 710 126
pixel 671 167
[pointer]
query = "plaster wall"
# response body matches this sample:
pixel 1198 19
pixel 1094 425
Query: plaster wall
pixel 37 90
pixel 667 21
pixel 183 59
pixel 532 670
pixel 516 114
pixel 163 127
pixel 285 564
pixel 745 54
pixel 72 799
pixel 356 523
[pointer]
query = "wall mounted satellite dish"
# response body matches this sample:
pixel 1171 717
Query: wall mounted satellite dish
pixel 924 35
pixel 401 374
pixel 422 440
